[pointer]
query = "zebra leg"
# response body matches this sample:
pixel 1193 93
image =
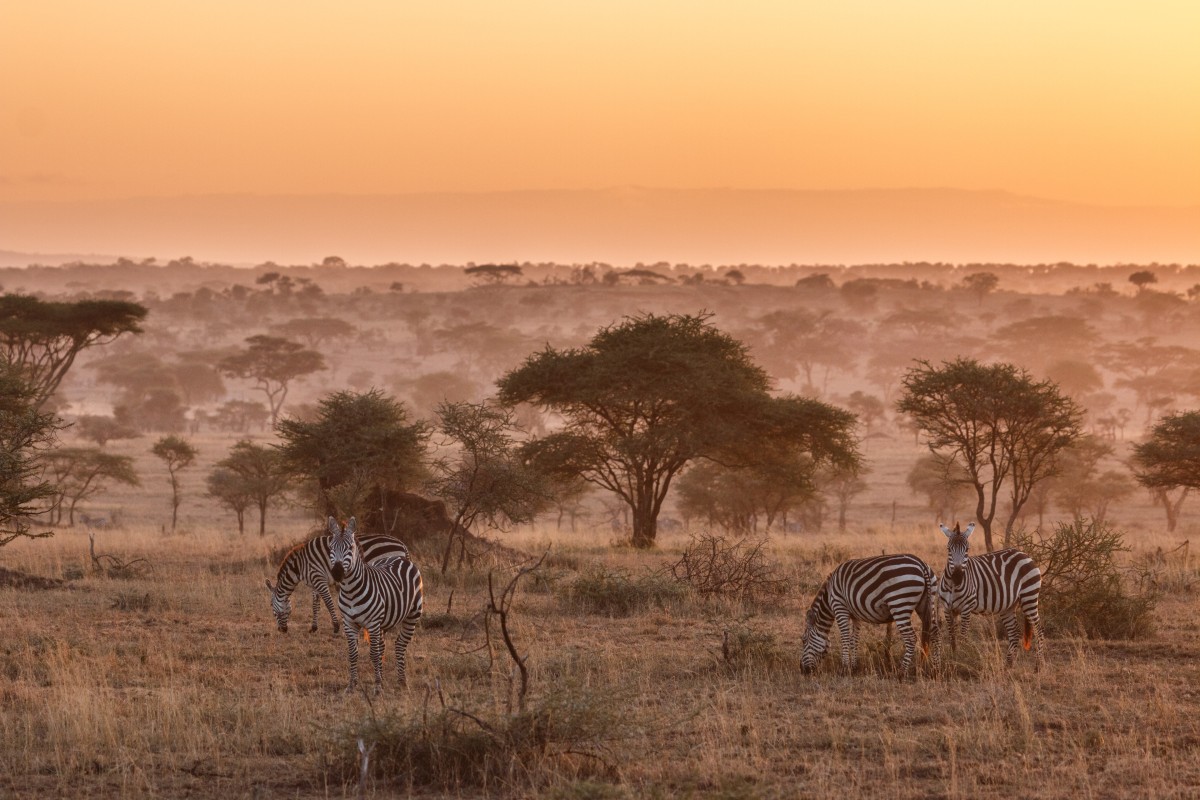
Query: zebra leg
pixel 843 622
pixel 327 595
pixel 909 637
pixel 376 634
pixel 403 636
pixel 317 612
pixel 964 622
pixel 1034 620
pixel 328 598
pixel 1014 637
pixel 952 623
pixel 352 642
pixel 855 630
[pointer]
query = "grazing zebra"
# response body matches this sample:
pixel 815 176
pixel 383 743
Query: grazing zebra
pixel 308 563
pixel 882 589
pixel 1001 582
pixel 374 597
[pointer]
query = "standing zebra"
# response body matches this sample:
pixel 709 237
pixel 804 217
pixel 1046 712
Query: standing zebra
pixel 882 589
pixel 1001 582
pixel 308 563
pixel 374 597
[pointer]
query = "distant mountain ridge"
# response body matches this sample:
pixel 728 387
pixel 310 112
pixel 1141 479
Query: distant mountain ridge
pixel 620 226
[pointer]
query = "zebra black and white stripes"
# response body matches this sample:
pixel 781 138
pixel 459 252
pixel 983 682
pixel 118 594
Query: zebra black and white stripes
pixel 1004 582
pixel 880 590
pixel 375 597
pixel 308 563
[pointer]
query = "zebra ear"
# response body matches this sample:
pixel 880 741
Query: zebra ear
pixel 334 529
pixel 352 526
pixel 946 531
pixel 970 528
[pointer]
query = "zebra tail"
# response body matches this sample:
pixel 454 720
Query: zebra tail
pixel 1027 638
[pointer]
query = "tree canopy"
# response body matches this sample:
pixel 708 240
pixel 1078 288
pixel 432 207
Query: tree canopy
pixel 25 433
pixel 1004 428
pixel 272 363
pixel 359 442
pixel 42 338
pixel 648 395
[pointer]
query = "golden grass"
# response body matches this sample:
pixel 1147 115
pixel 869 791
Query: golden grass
pixel 176 682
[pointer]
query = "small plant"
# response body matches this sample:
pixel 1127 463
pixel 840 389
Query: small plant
pixel 602 590
pixel 714 565
pixel 1082 587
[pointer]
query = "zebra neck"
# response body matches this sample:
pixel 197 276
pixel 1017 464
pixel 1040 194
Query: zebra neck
pixel 289 575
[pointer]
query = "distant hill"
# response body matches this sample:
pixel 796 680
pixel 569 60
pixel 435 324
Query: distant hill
pixel 618 226
pixel 11 258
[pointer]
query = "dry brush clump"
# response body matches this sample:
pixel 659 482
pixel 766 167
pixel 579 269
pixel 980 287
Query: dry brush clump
pixel 1083 588
pixel 566 735
pixel 714 565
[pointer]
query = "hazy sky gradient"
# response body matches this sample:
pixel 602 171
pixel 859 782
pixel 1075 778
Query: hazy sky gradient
pixel 1086 101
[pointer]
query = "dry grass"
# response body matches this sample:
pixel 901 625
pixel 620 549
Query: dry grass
pixel 175 683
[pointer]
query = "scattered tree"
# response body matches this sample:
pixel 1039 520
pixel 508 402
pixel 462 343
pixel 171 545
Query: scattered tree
pixel 485 479
pixel 227 488
pixel 1169 461
pixel 42 338
pixel 649 395
pixel 260 471
pixel 25 434
pixel 354 446
pixel 1005 429
pixel 79 473
pixel 981 284
pixel 178 454
pixel 103 429
pixel 273 363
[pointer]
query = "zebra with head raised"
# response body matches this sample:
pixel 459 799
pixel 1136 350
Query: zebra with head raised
pixel 1002 582
pixel 880 590
pixel 308 563
pixel 373 597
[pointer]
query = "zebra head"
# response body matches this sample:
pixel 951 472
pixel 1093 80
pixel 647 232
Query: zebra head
pixel 957 548
pixel 281 604
pixel 343 549
pixel 816 639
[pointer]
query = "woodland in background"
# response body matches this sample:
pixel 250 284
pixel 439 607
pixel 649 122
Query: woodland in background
pixel 1115 339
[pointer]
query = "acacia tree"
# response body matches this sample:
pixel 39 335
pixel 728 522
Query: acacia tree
pixel 25 433
pixel 1169 461
pixel 227 488
pixel 315 330
pixel 363 443
pixel 1005 429
pixel 649 395
pixel 260 472
pixel 104 429
pixel 272 363
pixel 78 473
pixel 178 454
pixel 43 338
pixel 485 478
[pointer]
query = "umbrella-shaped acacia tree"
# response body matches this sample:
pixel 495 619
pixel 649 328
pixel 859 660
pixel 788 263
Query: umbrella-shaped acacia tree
pixel 652 393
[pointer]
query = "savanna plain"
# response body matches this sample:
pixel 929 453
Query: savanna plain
pixel 140 662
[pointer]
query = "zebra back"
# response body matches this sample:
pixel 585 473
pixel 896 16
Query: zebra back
pixel 879 589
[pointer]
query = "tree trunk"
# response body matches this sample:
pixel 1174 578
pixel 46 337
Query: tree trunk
pixel 262 518
pixel 645 523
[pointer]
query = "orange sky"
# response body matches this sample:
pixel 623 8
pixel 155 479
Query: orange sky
pixel 1081 100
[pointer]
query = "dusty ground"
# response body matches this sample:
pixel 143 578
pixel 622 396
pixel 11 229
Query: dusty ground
pixel 174 683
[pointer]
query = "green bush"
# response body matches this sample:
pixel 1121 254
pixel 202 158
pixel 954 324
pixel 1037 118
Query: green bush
pixel 603 590
pixel 1083 590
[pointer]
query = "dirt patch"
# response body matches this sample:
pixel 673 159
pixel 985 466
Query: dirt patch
pixel 20 580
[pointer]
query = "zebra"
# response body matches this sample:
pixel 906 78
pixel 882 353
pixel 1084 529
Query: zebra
pixel 1002 582
pixel 374 597
pixel 309 563
pixel 881 589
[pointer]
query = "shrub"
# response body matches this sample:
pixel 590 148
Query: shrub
pixel 1083 591
pixel 602 590
pixel 714 565
pixel 567 734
